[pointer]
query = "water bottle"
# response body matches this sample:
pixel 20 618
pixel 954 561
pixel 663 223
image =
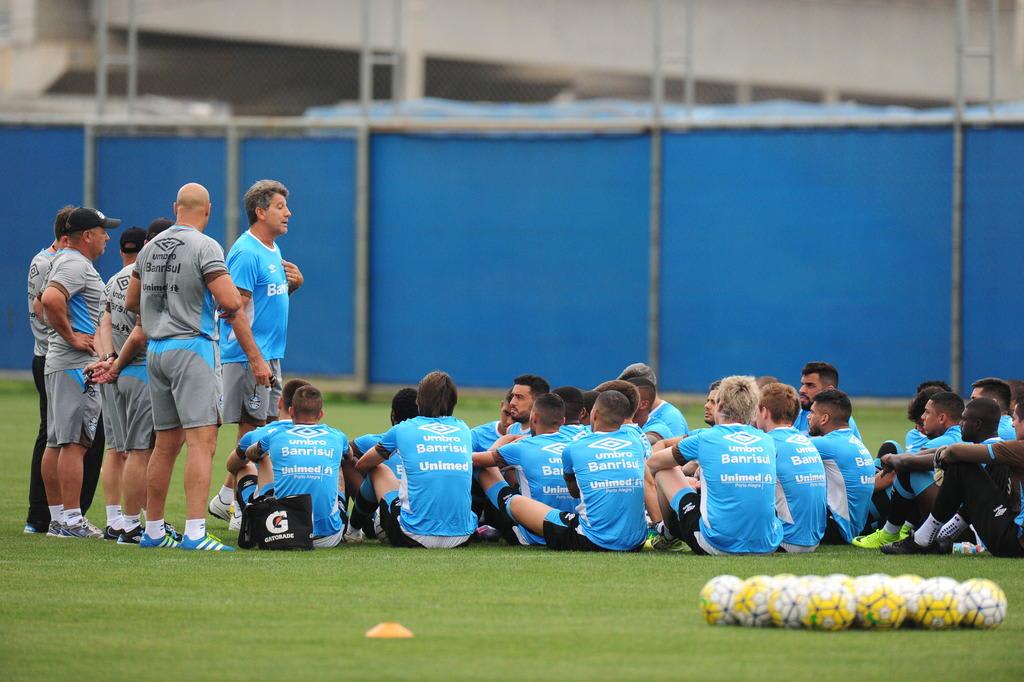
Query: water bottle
pixel 967 548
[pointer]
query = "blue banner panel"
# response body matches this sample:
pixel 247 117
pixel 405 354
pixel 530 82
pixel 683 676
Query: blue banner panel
pixel 784 246
pixel 42 173
pixel 320 177
pixel 993 248
pixel 498 255
pixel 138 177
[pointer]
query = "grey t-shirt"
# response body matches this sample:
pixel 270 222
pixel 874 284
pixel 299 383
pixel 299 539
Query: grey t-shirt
pixel 38 271
pixel 122 320
pixel 173 269
pixel 76 274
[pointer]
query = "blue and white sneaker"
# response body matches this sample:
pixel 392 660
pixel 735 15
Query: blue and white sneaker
pixel 166 540
pixel 207 542
pixel 56 530
pixel 33 529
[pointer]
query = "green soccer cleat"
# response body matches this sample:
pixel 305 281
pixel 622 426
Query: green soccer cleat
pixel 659 543
pixel 875 540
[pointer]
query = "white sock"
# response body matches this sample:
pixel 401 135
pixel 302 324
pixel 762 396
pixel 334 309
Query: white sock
pixel 925 535
pixel 72 516
pixel 664 531
pixel 195 529
pixel 155 529
pixel 130 522
pixel 114 516
pixel 57 513
pixel 952 528
pixel 891 528
pixel 226 495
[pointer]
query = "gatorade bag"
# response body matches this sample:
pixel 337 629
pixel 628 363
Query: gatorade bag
pixel 273 523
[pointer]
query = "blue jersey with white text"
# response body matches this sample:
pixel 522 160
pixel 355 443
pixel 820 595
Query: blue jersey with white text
pixel 257 269
pixel 801 423
pixel 737 502
pixel 437 456
pixel 366 442
pixel 850 477
pixel 537 461
pixel 306 460
pixel 609 469
pixel 253 436
pixel 574 431
pixel 670 415
pixel 800 488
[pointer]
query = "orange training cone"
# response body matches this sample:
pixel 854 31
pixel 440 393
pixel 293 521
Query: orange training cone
pixel 389 631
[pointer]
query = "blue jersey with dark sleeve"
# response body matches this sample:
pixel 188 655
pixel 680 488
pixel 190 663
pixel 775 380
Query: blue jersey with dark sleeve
pixel 850 477
pixel 609 469
pixel 307 459
pixel 669 414
pixel 437 456
pixel 258 269
pixel 537 461
pixel 366 442
pixel 737 502
pixel 800 488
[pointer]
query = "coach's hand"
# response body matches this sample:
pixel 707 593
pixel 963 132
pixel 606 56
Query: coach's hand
pixel 82 342
pixel 293 275
pixel 261 372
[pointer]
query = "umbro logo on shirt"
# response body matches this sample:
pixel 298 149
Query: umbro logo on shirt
pixel 33 271
pixel 742 438
pixel 306 431
pixel 999 511
pixel 554 448
pixel 122 282
pixel 168 243
pixel 798 439
pixel 439 429
pixel 272 267
pixel 609 444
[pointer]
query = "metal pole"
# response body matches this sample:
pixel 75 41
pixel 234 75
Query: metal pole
pixel 691 90
pixel 398 63
pixel 133 56
pixel 231 185
pixel 956 269
pixel 361 327
pixel 993 42
pixel 88 165
pixel 365 66
pixel 654 258
pixel 657 76
pixel 101 57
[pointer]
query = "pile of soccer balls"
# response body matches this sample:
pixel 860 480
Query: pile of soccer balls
pixel 836 602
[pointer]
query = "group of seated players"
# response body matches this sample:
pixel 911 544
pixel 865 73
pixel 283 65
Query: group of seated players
pixel 618 469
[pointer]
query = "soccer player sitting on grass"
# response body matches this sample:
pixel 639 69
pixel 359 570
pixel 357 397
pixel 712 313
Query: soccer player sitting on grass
pixel 915 490
pixel 800 475
pixel 981 486
pixel 537 462
pixel 572 398
pixel 661 410
pixel 734 512
pixel 431 506
pixel 849 467
pixel 485 435
pixel 652 427
pixel 604 470
pixel 525 389
pixel 816 377
pixel 999 391
pixel 302 458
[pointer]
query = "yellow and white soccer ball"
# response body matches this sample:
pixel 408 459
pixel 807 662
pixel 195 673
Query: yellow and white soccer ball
pixel 880 605
pixel 939 606
pixel 751 606
pixel 718 598
pixel 841 578
pixel 788 602
pixel 830 605
pixel 984 604
pixel 909 585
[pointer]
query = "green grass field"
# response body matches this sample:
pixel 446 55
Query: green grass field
pixel 76 609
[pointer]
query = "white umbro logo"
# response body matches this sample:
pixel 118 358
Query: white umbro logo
pixel 999 511
pixel 798 439
pixel 439 429
pixel 609 444
pixel 555 448
pixel 742 438
pixel 272 267
pixel 306 431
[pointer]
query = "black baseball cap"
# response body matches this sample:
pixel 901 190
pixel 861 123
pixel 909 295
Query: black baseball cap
pixel 82 219
pixel 158 226
pixel 132 240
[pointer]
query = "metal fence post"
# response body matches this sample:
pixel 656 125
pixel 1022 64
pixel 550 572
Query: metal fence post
pixel 231 184
pixel 957 236
pixel 361 327
pixel 88 165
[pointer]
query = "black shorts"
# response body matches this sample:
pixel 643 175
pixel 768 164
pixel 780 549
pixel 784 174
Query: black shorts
pixel 988 500
pixel 567 538
pixel 389 521
pixel 684 522
pixel 833 533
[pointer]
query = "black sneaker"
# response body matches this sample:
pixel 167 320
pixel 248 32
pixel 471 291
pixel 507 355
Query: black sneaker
pixel 111 533
pixel 170 530
pixel 908 546
pixel 130 537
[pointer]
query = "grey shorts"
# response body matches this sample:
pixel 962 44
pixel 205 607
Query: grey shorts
pixel 243 400
pixel 113 417
pixel 133 397
pixel 184 383
pixel 72 410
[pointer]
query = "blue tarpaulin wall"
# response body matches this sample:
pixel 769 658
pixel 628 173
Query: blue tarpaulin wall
pixel 492 255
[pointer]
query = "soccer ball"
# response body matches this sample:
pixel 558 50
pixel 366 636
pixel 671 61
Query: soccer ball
pixel 939 607
pixel 752 601
pixel 984 604
pixel 909 586
pixel 841 578
pixel 880 605
pixel 830 606
pixel 718 598
pixel 787 603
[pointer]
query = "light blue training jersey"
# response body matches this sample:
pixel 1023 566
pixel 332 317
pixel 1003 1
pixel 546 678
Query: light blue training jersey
pixel 256 434
pixel 537 461
pixel 800 489
pixel 656 426
pixel 801 423
pixel 437 455
pixel 1006 431
pixel 609 469
pixel 574 431
pixel 306 460
pixel 669 414
pixel 258 270
pixel 485 436
pixel 914 440
pixel 850 476
pixel 366 442
pixel 737 502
